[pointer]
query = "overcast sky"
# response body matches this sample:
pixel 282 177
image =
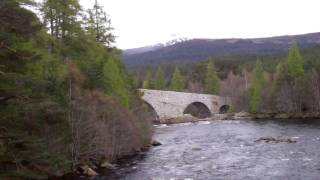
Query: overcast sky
pixel 145 22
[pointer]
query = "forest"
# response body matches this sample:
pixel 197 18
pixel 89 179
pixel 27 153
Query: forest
pixel 284 85
pixel 66 98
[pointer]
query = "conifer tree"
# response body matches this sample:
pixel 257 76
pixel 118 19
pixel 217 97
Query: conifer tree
pixel 255 91
pixel 147 84
pixel 177 82
pixel 295 62
pixel 279 77
pixel 62 16
pixel 114 82
pixel 160 82
pixel 98 25
pixel 212 80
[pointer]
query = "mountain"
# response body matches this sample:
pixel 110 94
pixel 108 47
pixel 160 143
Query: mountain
pixel 140 50
pixel 200 49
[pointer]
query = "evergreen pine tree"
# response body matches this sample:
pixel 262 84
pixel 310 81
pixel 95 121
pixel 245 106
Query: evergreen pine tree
pixel 99 25
pixel 212 80
pixel 147 84
pixel 115 84
pixel 62 17
pixel 255 91
pixel 177 83
pixel 279 77
pixel 295 62
pixel 160 82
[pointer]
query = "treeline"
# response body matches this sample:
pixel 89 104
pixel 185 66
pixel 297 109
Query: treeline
pixel 290 88
pixel 65 96
pixel 179 82
pixel 272 84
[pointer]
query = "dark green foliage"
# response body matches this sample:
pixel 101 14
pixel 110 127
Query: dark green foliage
pixel 99 25
pixel 177 81
pixel 114 81
pixel 54 84
pixel 17 35
pixel 61 18
pixel 147 82
pixel 280 76
pixel 295 62
pixel 211 80
pixel 256 88
pixel 160 82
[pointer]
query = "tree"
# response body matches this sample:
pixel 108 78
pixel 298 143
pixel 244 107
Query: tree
pixel 160 82
pixel 295 62
pixel 147 84
pixel 280 76
pixel 255 91
pixel 98 25
pixel 177 83
pixel 62 16
pixel 296 78
pixel 18 30
pixel 211 80
pixel 115 84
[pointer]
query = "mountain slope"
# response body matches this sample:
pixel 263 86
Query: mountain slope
pixel 200 49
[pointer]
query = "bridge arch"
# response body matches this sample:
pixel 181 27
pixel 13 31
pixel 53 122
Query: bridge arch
pixel 172 104
pixel 224 108
pixel 151 112
pixel 198 109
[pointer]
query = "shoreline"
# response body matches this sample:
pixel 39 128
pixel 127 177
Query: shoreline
pixel 244 116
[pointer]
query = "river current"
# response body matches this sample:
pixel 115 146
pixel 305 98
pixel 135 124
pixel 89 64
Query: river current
pixel 229 150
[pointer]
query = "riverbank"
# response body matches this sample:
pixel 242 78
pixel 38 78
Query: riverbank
pixel 243 116
pixel 286 115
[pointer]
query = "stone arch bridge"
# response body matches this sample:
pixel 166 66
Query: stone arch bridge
pixel 172 104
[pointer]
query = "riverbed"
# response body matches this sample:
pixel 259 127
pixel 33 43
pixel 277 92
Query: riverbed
pixel 229 150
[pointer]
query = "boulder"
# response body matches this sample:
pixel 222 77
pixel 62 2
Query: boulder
pixel 87 171
pixel 90 172
pixel 242 115
pixel 107 165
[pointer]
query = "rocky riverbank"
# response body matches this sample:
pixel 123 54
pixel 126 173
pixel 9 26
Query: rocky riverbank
pixel 242 116
pixel 189 118
pixel 95 168
pixel 315 115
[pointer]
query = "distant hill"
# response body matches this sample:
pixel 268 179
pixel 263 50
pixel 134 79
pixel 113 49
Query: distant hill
pixel 144 49
pixel 200 49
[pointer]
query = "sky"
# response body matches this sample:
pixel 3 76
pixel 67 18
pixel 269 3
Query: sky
pixel 140 23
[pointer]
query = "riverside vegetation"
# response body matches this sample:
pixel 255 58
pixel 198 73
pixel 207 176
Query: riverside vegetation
pixel 66 99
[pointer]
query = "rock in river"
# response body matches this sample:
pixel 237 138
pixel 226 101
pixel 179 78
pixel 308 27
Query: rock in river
pixel 155 143
pixel 276 140
pixel 86 170
pixel 107 165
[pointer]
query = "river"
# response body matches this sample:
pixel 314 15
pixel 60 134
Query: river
pixel 229 150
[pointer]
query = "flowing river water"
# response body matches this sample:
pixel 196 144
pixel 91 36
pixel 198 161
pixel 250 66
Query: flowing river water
pixel 229 150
